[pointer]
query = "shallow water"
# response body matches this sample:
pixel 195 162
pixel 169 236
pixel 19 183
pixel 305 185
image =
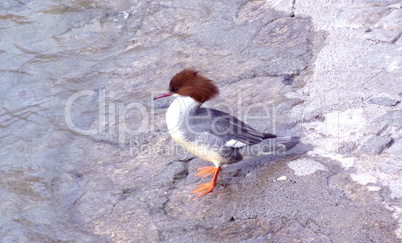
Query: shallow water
pixel 49 50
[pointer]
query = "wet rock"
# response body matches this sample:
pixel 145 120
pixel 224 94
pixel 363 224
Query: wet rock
pixel 173 173
pixel 383 101
pixel 355 191
pixel 287 36
pixel 300 234
pixel 396 148
pixel 376 145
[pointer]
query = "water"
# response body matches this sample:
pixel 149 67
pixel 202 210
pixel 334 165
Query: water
pixel 50 50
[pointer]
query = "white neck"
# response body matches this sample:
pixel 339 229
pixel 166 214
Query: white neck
pixel 180 108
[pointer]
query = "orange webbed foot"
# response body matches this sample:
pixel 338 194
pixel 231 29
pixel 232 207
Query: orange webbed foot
pixel 203 189
pixel 206 171
pixel 207 187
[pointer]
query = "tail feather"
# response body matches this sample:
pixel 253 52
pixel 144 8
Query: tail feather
pixel 268 135
pixel 275 147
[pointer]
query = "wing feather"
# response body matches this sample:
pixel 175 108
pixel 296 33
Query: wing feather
pixel 233 132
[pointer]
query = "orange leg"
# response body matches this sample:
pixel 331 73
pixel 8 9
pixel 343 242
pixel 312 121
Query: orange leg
pixel 207 187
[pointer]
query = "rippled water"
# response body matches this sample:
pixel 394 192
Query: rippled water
pixel 50 50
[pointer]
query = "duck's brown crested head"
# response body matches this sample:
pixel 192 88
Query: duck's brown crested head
pixel 190 83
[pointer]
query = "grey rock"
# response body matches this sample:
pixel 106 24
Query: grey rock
pixel 383 101
pixel 347 148
pixel 396 148
pixel 287 38
pixel 393 118
pixel 382 35
pixel 173 173
pixel 387 124
pixel 298 231
pixel 376 145
pixel 393 21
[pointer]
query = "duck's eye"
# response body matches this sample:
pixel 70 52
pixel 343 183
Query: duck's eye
pixel 174 90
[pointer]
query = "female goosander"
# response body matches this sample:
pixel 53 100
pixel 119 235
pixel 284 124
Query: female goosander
pixel 210 134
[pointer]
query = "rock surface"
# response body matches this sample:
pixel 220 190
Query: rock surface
pixel 85 151
pixel 376 145
pixel 383 101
